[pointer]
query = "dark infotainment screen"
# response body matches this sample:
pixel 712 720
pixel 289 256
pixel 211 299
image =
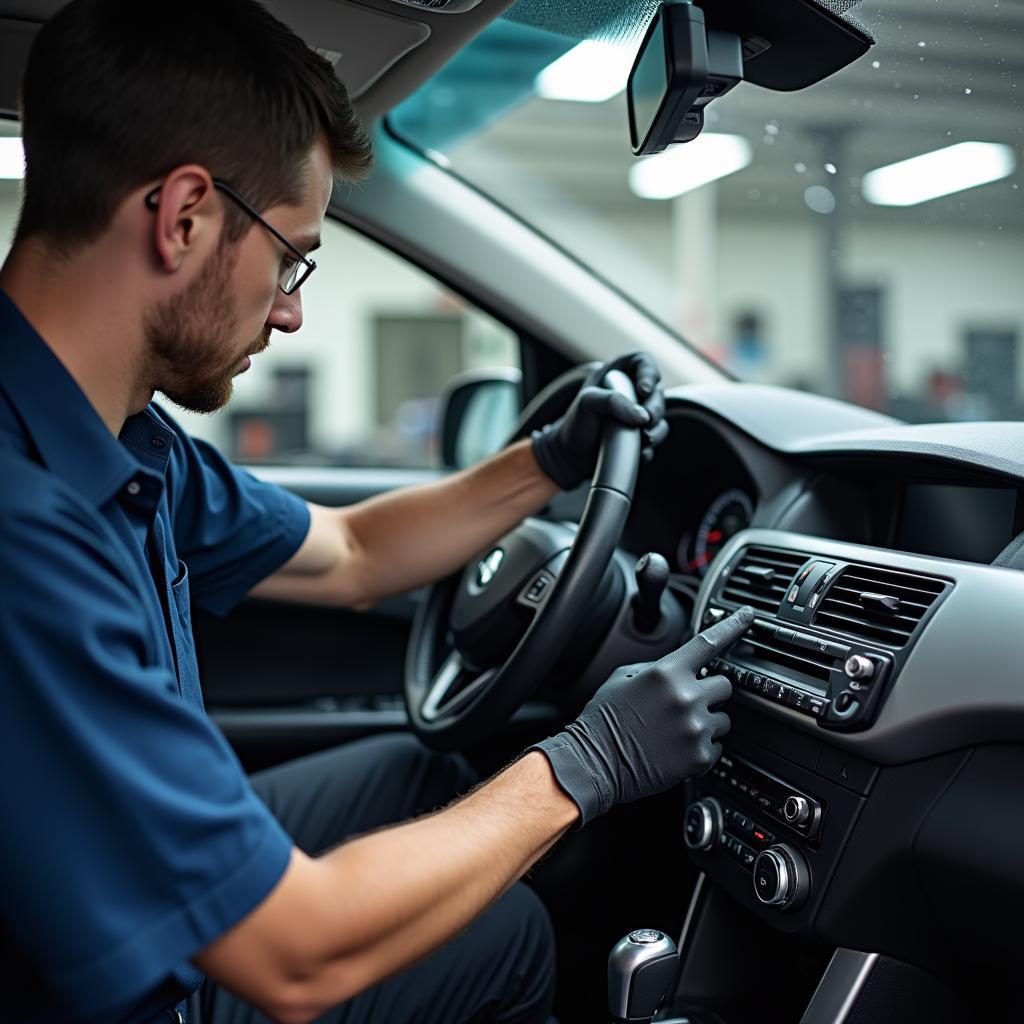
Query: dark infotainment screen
pixel 972 524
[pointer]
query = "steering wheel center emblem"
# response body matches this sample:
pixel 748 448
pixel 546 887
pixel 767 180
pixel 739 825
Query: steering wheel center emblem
pixel 487 568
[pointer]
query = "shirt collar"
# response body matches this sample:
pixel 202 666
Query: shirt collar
pixel 66 430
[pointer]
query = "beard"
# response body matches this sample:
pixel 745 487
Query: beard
pixel 190 338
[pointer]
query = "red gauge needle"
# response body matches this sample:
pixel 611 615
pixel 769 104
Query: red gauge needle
pixel 714 536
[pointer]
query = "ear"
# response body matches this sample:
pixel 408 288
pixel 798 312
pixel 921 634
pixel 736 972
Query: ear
pixel 187 220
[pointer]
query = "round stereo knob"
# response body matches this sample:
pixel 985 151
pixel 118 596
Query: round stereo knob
pixel 781 878
pixel 703 824
pixel 859 667
pixel 796 810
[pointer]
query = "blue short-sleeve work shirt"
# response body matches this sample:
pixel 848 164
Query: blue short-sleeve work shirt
pixel 130 836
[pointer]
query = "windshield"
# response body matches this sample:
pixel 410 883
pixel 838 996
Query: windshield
pixel 779 243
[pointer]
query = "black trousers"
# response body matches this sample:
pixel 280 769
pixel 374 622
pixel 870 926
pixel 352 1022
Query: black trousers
pixel 501 968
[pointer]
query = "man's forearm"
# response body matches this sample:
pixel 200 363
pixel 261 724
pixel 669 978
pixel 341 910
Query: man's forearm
pixel 421 534
pixel 336 925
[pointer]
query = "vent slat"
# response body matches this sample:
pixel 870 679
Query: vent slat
pixel 744 587
pixel 842 608
pixel 861 583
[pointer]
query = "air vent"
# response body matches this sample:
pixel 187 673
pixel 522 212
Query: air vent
pixel 878 605
pixel 762 578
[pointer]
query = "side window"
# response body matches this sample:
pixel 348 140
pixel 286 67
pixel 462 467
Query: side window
pixel 360 382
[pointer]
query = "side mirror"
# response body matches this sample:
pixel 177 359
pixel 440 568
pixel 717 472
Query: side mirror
pixel 479 411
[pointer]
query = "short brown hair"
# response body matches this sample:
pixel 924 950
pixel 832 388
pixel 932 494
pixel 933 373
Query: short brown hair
pixel 120 92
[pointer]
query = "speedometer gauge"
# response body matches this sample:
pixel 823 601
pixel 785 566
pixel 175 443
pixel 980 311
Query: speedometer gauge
pixel 729 513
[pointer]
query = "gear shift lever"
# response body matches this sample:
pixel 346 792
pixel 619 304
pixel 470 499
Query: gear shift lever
pixel 641 968
pixel 652 574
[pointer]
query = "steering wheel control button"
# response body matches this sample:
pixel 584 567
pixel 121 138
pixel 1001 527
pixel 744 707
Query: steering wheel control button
pixel 781 878
pixel 538 587
pixel 703 824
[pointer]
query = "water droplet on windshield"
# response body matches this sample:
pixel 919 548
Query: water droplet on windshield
pixel 876 64
pixel 922 45
pixel 831 168
pixel 967 91
pixel 800 168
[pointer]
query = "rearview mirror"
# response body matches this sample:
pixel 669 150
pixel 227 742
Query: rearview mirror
pixel 680 68
pixel 690 56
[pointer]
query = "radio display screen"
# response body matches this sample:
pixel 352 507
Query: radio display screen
pixel 972 524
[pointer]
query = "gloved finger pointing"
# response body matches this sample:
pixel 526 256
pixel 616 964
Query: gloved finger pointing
pixel 707 645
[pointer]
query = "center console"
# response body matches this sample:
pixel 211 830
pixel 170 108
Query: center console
pixel 831 636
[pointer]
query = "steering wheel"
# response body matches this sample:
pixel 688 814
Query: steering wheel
pixel 511 612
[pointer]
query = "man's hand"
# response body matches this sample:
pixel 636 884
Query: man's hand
pixel 567 449
pixel 648 727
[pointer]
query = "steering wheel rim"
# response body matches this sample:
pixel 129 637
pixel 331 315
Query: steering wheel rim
pixel 482 703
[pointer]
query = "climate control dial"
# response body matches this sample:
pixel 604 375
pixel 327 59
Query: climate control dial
pixel 781 878
pixel 703 824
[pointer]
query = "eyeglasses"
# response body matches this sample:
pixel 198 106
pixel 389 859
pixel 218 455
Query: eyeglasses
pixel 293 271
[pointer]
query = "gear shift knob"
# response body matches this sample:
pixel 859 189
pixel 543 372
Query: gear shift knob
pixel 641 968
pixel 652 572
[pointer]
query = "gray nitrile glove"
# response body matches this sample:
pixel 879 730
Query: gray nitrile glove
pixel 567 449
pixel 648 728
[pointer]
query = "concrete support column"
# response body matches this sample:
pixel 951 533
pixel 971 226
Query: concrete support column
pixel 694 258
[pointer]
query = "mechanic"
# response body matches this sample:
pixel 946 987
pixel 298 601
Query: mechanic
pixel 176 182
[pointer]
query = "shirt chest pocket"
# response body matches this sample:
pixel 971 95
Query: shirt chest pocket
pixel 188 669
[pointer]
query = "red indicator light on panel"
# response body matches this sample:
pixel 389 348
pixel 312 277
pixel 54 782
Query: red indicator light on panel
pixel 760 835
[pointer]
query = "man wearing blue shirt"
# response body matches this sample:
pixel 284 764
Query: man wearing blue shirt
pixel 176 182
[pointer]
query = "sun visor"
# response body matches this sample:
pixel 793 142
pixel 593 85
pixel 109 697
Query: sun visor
pixel 361 42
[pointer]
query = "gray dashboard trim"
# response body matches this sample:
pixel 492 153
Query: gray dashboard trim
pixel 798 423
pixel 840 987
pixel 963 683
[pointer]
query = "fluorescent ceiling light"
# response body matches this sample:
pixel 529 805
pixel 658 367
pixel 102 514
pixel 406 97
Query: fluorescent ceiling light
pixel 12 158
pixel 686 167
pixel 939 173
pixel 589 73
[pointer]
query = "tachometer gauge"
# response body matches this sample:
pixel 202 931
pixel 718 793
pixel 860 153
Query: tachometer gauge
pixel 729 513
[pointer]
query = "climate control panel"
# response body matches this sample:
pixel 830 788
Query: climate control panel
pixel 753 818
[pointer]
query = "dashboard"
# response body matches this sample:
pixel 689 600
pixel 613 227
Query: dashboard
pixel 878 709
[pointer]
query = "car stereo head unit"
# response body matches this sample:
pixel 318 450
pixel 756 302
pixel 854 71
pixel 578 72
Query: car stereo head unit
pixel 830 635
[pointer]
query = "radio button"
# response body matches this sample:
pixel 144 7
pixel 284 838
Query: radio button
pixel 796 810
pixel 846 704
pixel 798 699
pixel 817 706
pixel 859 667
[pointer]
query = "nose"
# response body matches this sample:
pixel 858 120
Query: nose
pixel 286 312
